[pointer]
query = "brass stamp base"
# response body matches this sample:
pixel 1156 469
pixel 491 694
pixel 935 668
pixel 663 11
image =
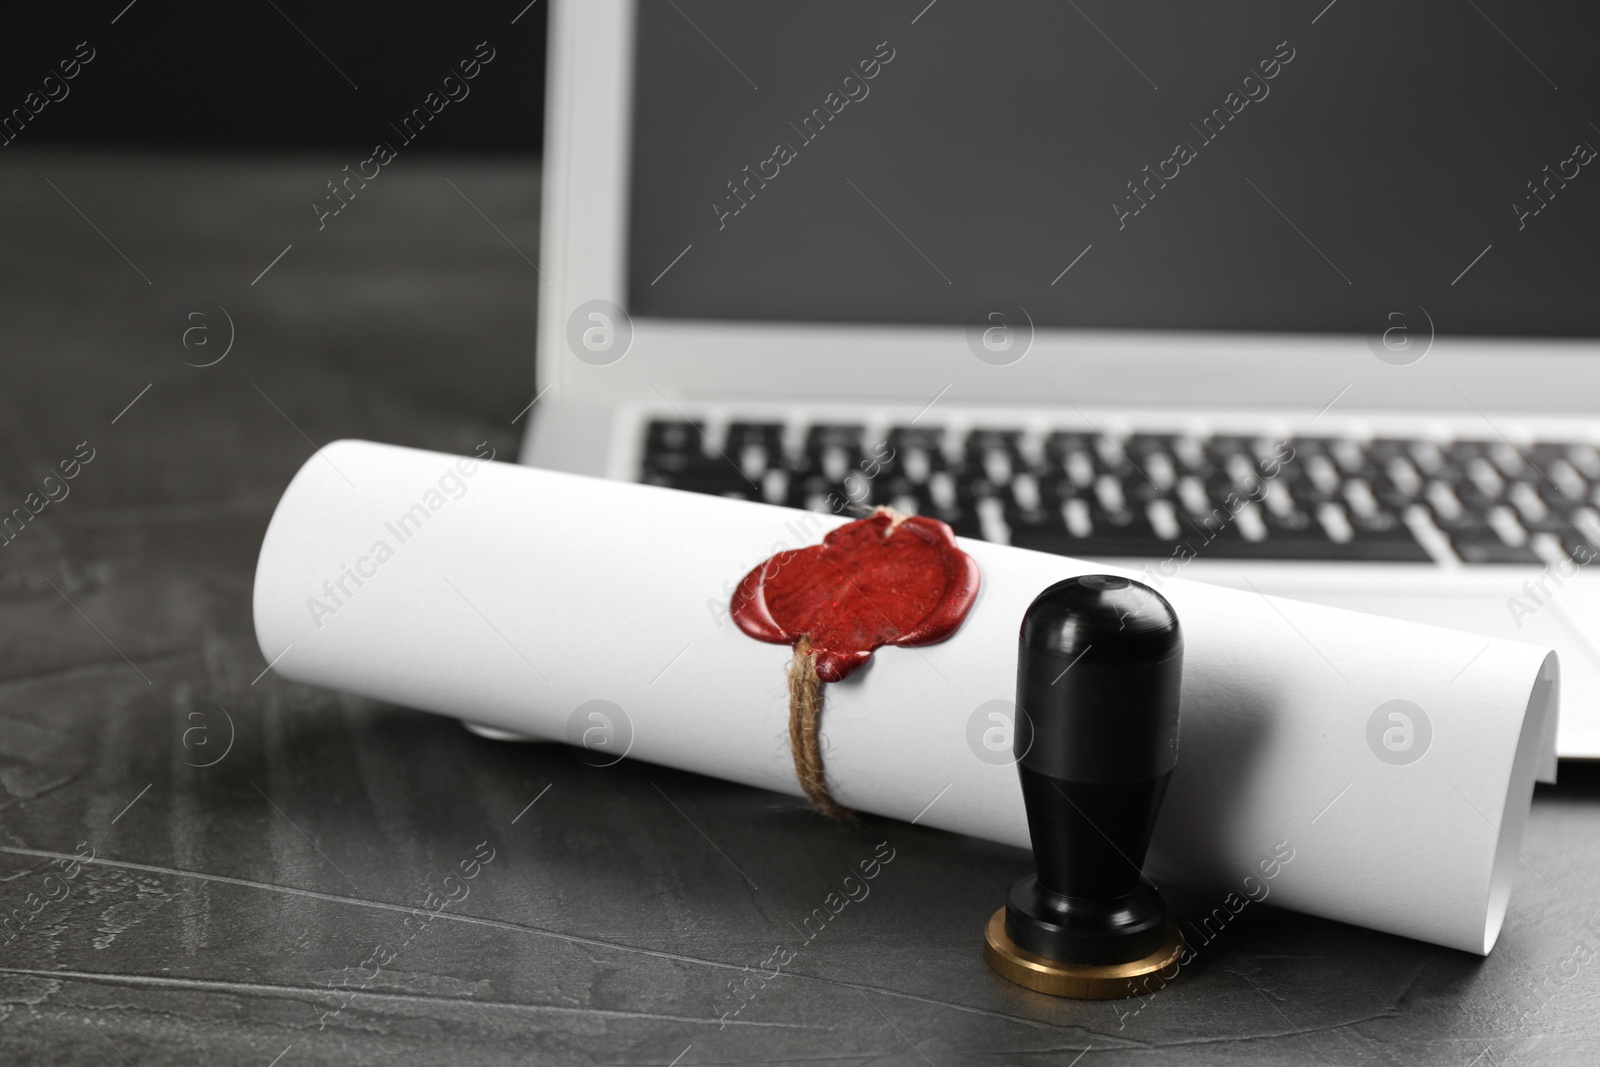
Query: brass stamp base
pixel 1077 980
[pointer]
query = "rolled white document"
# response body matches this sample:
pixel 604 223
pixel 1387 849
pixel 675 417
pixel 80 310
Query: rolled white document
pixel 1394 762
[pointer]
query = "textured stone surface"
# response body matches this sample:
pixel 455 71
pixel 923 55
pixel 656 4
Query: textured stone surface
pixel 617 910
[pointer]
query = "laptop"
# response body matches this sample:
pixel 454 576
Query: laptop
pixel 1295 298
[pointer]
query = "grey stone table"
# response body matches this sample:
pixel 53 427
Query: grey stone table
pixel 254 843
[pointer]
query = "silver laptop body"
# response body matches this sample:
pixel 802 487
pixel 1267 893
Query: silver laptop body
pixel 725 335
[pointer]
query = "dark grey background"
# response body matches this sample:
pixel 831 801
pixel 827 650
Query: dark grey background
pixel 988 154
pixel 273 74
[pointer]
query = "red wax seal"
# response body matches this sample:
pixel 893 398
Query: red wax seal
pixel 882 580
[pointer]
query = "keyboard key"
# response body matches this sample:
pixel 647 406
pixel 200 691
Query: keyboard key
pixel 1349 455
pixel 693 466
pixel 1222 446
pixel 1382 450
pixel 1581 547
pixel 1509 459
pixel 775 486
pixel 1531 507
pixel 1141 445
pixel 663 436
pixel 1447 507
pixel 1323 474
pixel 930 437
pixel 917 464
pixel 1077 516
pixel 1428 457
pixel 1335 523
pixel 917 451
pixel 1293 524
pixel 1460 453
pixel 1252 527
pixel 1564 478
pixel 1586 459
pixel 835 462
pixel 1163 520
pixel 982 441
pixel 1025 492
pixel 1160 470
pixel 1586 521
pixel 1361 501
pixel 822 436
pixel 1486 478
pixel 992 521
pixel 1125 523
pixel 1503 521
pixel 1492 550
pixel 997 467
pixel 700 474
pixel 1399 481
pixel 1108 492
pixel 1058 446
pixel 767 435
pixel 1080 469
pixel 1193 496
pixel 1213 532
pixel 1475 540
pixel 1190 452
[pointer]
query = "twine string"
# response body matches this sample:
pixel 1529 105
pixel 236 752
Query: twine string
pixel 805 725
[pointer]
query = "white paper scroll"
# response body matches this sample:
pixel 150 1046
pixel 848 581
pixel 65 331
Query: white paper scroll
pixel 511 597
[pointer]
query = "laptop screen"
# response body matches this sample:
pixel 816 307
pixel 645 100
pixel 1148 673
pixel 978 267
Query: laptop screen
pixel 1246 166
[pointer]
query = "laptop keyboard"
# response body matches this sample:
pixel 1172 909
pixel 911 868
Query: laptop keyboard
pixel 1224 497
